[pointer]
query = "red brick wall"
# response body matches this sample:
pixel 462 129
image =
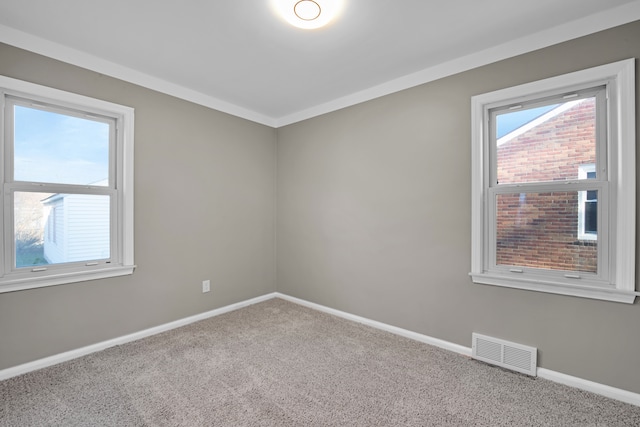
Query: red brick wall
pixel 541 229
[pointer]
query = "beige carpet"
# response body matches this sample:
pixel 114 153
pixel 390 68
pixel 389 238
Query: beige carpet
pixel 279 364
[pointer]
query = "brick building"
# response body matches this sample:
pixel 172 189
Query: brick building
pixel 551 230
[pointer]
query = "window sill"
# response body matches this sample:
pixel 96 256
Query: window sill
pixel 592 292
pixel 11 284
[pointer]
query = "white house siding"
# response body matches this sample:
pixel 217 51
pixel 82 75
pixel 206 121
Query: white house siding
pixel 82 226
pixel 86 227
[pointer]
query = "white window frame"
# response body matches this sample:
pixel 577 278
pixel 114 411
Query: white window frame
pixel 616 279
pixel 121 191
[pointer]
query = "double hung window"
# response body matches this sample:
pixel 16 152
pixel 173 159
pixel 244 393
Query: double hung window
pixel 67 187
pixel 554 185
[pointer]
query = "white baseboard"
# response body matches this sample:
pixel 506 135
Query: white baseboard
pixel 601 389
pixel 586 385
pixel 383 326
pixel 582 384
pixel 83 351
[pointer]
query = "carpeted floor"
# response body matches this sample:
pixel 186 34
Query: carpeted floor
pixel 280 364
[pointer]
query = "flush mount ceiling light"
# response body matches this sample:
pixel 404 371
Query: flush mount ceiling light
pixel 308 14
pixel 307 10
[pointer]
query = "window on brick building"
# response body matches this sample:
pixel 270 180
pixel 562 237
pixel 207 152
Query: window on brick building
pixel 554 185
pixel 587 206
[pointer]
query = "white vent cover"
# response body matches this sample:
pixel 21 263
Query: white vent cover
pixel 517 357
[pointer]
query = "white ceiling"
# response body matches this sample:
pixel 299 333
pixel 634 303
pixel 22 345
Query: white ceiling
pixel 238 56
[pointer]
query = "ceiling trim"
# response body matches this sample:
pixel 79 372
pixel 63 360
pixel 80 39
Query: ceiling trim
pixel 66 54
pixel 571 30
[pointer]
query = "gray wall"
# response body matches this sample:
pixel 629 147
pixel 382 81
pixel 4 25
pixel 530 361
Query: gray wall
pixel 204 209
pixel 374 219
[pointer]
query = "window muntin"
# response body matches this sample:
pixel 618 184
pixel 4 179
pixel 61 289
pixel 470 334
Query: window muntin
pixel 67 187
pixel 605 197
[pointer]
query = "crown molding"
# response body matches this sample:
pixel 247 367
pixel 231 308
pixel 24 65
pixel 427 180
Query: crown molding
pixel 591 24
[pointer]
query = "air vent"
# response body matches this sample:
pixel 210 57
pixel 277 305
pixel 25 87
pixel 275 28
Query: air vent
pixel 517 357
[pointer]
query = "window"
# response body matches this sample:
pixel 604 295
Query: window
pixel 553 191
pixel 587 206
pixel 67 187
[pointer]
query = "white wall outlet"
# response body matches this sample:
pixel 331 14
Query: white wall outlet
pixel 206 286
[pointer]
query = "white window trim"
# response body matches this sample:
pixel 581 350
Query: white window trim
pixel 622 140
pixel 125 122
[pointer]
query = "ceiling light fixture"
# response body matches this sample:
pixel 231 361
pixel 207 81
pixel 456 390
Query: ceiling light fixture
pixel 307 10
pixel 308 14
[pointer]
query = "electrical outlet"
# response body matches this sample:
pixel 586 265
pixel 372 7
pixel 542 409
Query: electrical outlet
pixel 206 286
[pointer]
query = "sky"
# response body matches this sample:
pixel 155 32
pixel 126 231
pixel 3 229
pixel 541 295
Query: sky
pixel 58 148
pixel 511 121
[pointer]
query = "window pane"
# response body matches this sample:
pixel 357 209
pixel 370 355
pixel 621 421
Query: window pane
pixel 59 228
pixel 591 216
pixel 58 148
pixel 540 230
pixel 29 236
pixel 546 144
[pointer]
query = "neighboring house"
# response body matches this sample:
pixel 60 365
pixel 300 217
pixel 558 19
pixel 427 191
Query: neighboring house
pixel 549 230
pixel 76 228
